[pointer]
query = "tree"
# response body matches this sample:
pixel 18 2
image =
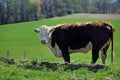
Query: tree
pixel 10 11
pixel 2 13
pixel 17 10
pixel 116 7
pixel 35 9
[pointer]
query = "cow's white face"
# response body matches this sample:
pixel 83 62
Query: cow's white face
pixel 45 33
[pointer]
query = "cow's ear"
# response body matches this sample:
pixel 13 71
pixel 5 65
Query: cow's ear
pixel 36 30
pixel 51 30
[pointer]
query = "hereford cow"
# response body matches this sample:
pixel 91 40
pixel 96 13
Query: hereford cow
pixel 65 39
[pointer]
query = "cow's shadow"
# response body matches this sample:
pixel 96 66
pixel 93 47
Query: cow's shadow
pixel 68 67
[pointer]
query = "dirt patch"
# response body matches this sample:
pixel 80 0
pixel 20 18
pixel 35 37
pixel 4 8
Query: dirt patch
pixel 92 16
pixel 66 67
pixel 7 60
pixel 52 66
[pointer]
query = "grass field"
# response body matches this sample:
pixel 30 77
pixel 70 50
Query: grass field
pixel 20 38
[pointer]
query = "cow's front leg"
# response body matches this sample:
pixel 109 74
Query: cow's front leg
pixel 66 55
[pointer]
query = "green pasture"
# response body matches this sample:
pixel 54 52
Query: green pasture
pixel 20 38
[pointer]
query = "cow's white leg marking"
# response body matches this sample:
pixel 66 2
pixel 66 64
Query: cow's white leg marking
pixel 103 56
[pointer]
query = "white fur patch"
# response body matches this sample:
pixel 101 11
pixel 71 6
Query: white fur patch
pixel 56 51
pixel 83 50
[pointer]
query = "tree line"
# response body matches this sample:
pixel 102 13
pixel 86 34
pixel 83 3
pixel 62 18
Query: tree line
pixel 13 11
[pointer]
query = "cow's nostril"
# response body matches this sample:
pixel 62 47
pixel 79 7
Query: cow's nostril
pixel 43 41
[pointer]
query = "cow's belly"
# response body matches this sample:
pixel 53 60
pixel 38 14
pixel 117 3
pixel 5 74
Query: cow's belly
pixel 57 52
pixel 83 50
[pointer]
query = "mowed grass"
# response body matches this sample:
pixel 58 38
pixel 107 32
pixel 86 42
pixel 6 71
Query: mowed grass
pixel 20 38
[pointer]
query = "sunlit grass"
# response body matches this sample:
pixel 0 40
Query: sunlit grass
pixel 20 38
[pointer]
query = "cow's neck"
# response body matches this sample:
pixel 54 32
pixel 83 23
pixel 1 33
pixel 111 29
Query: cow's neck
pixel 49 42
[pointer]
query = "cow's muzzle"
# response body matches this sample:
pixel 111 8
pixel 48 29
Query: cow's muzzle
pixel 43 41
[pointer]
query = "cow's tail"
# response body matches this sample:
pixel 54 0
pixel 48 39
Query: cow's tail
pixel 112 45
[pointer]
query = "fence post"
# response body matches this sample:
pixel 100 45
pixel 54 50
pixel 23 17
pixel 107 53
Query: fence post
pixel 7 54
pixel 24 55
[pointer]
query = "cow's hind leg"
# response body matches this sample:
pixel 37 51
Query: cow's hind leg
pixel 103 53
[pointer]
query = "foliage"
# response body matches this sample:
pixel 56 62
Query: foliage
pixel 19 10
pixel 26 10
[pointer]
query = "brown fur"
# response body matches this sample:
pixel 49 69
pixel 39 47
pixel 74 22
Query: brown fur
pixel 83 24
